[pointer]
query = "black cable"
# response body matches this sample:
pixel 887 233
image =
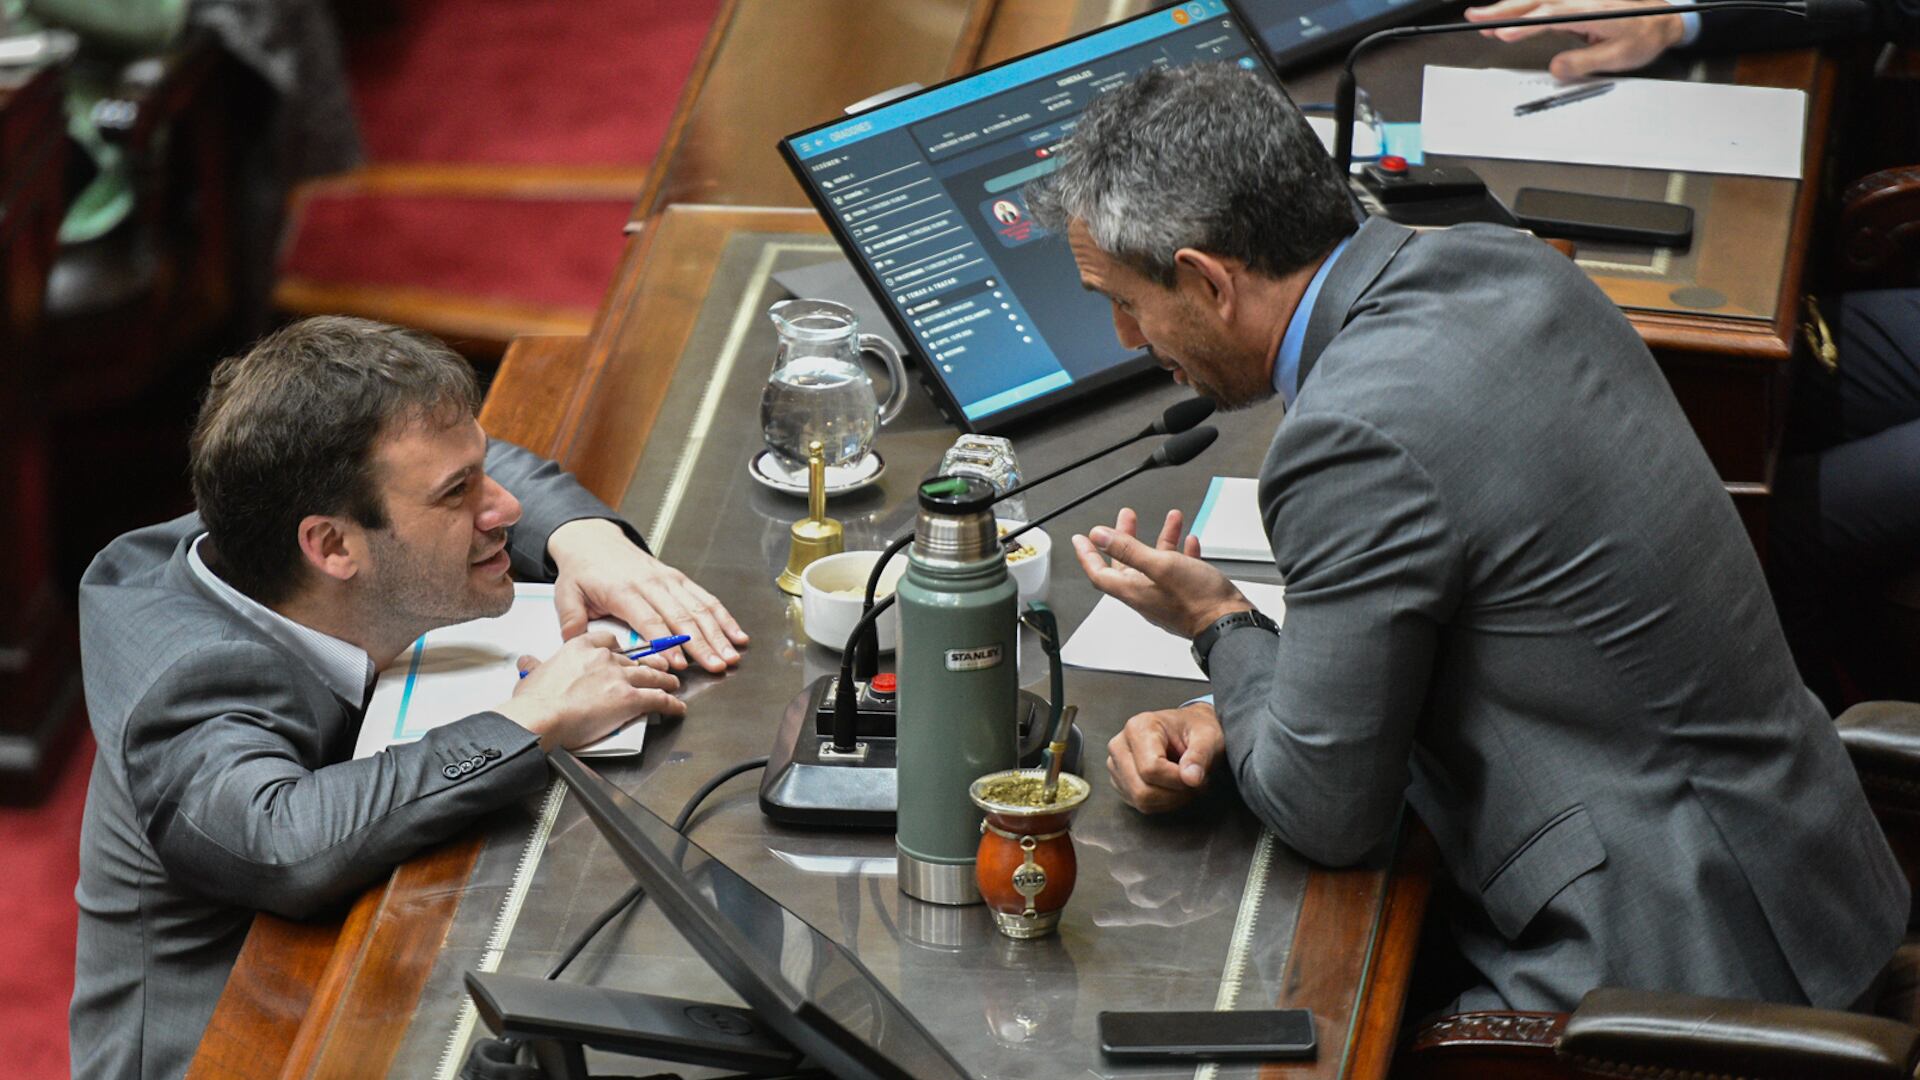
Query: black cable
pixel 861 657
pixel 633 894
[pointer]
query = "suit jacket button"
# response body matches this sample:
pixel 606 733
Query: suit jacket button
pixel 492 754
pixel 451 772
pixel 466 766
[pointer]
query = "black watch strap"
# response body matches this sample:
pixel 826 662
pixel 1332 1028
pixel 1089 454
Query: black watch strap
pixel 1204 642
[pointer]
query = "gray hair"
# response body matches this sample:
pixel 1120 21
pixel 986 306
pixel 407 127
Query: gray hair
pixel 1208 157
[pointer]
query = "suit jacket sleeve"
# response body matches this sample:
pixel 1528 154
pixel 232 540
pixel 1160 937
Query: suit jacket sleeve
pixel 227 776
pixel 1739 31
pixel 1319 722
pixel 549 498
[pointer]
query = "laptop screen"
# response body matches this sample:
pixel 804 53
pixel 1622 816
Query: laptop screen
pixel 814 994
pixel 1295 32
pixel 925 195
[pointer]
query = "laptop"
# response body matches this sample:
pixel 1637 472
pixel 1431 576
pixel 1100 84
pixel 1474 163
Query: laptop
pixel 924 193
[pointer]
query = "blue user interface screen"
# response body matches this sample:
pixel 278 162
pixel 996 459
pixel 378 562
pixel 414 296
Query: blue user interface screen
pixel 926 195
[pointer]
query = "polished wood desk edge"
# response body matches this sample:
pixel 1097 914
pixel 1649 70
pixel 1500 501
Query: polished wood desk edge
pixel 1377 1025
pixel 633 355
pixel 1352 957
pixel 1817 72
pixel 647 204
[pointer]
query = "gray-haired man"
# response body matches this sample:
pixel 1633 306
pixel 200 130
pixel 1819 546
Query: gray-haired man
pixel 348 503
pixel 1518 598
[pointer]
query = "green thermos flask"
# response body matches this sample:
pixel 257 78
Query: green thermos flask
pixel 958 663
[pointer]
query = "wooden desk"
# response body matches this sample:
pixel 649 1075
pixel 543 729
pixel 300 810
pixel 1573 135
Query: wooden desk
pixel 1346 937
pixel 333 1000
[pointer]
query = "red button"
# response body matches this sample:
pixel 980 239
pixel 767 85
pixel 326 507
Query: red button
pixel 1393 163
pixel 883 684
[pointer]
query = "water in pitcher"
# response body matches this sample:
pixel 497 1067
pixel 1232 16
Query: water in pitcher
pixel 822 398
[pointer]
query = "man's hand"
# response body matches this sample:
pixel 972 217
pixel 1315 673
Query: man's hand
pixel 1619 45
pixel 603 573
pixel 1166 583
pixel 1161 760
pixel 586 691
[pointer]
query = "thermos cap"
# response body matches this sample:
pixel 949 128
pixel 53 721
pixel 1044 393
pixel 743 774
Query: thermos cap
pixel 956 495
pixel 956 523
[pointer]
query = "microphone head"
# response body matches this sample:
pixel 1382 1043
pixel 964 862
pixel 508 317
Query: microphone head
pixel 1184 447
pixel 1183 415
pixel 1850 15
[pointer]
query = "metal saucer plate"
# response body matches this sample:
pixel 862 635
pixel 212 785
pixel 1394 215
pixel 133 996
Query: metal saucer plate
pixel 767 471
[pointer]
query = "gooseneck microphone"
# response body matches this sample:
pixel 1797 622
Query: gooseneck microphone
pixel 864 645
pixel 1838 14
pixel 859 658
pixel 1175 451
pixel 1180 416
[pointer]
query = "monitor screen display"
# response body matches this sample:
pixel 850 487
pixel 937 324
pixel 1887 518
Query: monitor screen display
pixel 1296 32
pixel 803 985
pixel 925 194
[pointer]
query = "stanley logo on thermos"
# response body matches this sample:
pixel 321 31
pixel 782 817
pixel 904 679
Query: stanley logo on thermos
pixel 978 658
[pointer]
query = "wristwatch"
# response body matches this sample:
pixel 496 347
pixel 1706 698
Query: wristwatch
pixel 1204 642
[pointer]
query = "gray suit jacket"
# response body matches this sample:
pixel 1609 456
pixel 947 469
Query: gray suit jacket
pixel 222 783
pixel 1519 599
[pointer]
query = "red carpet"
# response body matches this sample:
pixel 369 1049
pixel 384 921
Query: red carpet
pixel 526 82
pixel 552 84
pixel 40 861
pixel 556 252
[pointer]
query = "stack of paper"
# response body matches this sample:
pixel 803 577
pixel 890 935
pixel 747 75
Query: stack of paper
pixel 1229 525
pixel 1116 638
pixel 1639 123
pixel 469 667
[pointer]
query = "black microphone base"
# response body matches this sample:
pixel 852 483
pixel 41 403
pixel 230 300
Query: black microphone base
pixel 1433 196
pixel 807 783
pixel 1439 213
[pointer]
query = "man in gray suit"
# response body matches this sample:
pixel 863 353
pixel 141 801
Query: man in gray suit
pixel 348 503
pixel 1518 598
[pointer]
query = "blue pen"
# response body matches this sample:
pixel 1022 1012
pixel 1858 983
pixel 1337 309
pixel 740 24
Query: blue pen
pixel 657 645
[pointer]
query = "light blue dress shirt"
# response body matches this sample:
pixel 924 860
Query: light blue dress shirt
pixel 1689 22
pixel 1286 364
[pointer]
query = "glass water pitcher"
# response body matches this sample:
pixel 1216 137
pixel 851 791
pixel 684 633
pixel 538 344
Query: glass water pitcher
pixel 818 389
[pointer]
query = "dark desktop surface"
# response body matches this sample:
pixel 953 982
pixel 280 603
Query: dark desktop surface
pixel 1153 919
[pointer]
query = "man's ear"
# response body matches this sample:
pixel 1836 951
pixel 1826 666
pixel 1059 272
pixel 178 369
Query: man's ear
pixel 331 545
pixel 1210 280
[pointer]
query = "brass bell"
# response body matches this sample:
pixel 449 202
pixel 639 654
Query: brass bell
pixel 816 535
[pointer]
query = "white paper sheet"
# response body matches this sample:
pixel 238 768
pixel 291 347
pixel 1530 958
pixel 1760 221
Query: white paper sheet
pixel 1640 123
pixel 469 667
pixel 1114 637
pixel 1228 523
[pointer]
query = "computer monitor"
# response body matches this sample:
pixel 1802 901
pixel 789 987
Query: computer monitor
pixel 1297 32
pixel 924 192
pixel 813 994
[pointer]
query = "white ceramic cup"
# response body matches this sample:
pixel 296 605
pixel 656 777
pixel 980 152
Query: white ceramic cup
pixel 1031 563
pixel 833 591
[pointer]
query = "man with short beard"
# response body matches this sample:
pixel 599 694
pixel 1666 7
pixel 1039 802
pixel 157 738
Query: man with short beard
pixel 1518 600
pixel 348 502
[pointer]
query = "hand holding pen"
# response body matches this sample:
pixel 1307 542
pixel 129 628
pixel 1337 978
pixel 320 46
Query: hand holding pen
pixel 589 688
pixel 650 648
